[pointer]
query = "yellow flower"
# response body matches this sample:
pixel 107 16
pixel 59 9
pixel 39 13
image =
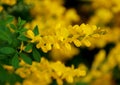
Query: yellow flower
pixel 77 43
pixel 63 53
pixel 67 73
pixel 99 58
pixel 30 34
pixel 8 2
pixel 1 8
pixel 22 47
pixel 27 83
pixel 33 74
pixel 61 35
pixel 58 67
pixel 71 15
pixel 86 43
pixel 101 16
pixel 88 29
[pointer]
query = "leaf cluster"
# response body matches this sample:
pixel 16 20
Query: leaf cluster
pixel 10 42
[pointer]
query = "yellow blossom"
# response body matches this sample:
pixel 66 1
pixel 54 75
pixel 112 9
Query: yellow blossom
pixel 1 8
pixel 99 58
pixel 8 2
pixel 101 16
pixel 86 43
pixel 63 53
pixel 30 34
pixel 71 15
pixel 22 47
pixel 61 35
pixel 33 74
pixel 77 43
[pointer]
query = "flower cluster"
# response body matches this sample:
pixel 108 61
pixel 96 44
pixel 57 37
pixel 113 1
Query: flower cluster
pixel 64 36
pixel 46 14
pixel 8 2
pixel 103 65
pixel 45 71
pixel 112 4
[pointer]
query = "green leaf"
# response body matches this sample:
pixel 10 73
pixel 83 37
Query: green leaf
pixel 7 50
pixel 22 30
pixel 2 56
pixel 15 61
pixel 9 19
pixel 36 55
pixel 36 31
pixel 1 68
pixel 26 58
pixel 20 22
pixel 28 47
pixel 23 38
pixel 13 78
pixel 5 37
pixel 13 26
pixel 16 43
pixel 3 76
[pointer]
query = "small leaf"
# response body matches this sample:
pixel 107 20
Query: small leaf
pixel 20 22
pixel 26 58
pixel 23 38
pixel 1 68
pixel 36 31
pixel 36 55
pixel 28 47
pixel 13 26
pixel 4 36
pixel 9 19
pixel 23 30
pixel 7 50
pixel 15 61
pixel 16 43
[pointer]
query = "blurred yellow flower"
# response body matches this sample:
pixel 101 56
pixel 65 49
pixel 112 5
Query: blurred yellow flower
pixel 8 2
pixel 34 74
pixel 1 8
